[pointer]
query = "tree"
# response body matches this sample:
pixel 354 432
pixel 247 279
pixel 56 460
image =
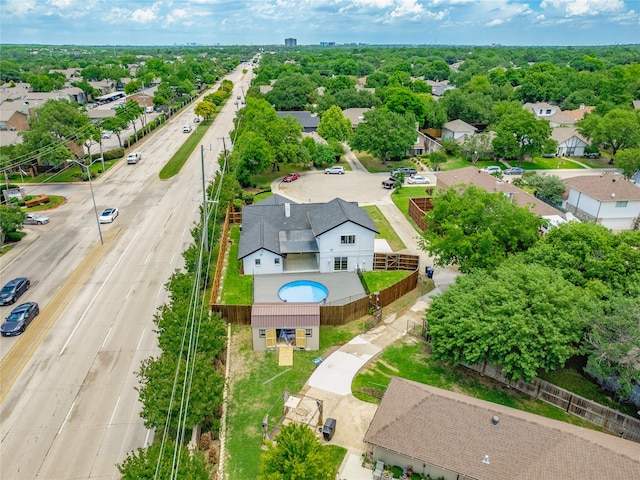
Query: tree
pixel 402 100
pixel 613 343
pixel 130 112
pixel 475 229
pixel 292 91
pixel 548 187
pixel 477 146
pixel 385 134
pixel 519 134
pixel 116 125
pixel 435 159
pixel 61 124
pixel 205 109
pixel 255 156
pixel 142 464
pixel 628 160
pixel 11 219
pixel 620 129
pixel 296 454
pixel 333 125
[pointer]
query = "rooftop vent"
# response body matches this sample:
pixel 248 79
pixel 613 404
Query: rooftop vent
pixel 486 459
pixel 495 420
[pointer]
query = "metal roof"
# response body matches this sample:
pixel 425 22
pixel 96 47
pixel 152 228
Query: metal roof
pixel 285 315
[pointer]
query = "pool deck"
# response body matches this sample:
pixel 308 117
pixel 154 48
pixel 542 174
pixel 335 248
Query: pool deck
pixel 344 287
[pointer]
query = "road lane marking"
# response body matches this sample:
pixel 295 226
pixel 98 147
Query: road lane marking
pixel 113 414
pixel 140 341
pixel 86 310
pixel 105 338
pixel 12 365
pixel 64 422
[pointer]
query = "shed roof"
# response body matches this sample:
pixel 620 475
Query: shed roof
pixel 285 315
pixel 456 432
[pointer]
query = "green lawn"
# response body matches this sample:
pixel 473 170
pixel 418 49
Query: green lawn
pixel 380 279
pixel 374 165
pixel 401 198
pixel 386 230
pixel 71 174
pixel 175 163
pixel 539 163
pixel 257 383
pixel 237 289
pixel 408 358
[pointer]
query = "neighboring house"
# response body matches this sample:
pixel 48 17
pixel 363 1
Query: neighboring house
pixel 424 145
pixel 280 236
pixel 609 200
pixel 458 437
pixel 635 104
pixel 541 109
pixel 456 129
pixel 438 88
pixel 570 142
pixel 71 74
pixel 471 175
pixel 355 115
pixel 309 122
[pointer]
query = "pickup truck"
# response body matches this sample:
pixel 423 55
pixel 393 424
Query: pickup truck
pixel 134 157
pixel 408 172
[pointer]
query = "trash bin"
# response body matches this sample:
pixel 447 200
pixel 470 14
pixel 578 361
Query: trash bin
pixel 329 429
pixel 430 271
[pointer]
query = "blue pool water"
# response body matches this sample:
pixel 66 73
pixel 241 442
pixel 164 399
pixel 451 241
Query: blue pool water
pixel 303 291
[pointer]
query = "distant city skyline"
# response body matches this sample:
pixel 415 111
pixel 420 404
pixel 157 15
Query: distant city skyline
pixel 269 22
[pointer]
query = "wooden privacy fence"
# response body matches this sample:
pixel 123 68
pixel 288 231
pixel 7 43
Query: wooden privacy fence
pixel 609 419
pixel 224 241
pixel 395 261
pixel 418 208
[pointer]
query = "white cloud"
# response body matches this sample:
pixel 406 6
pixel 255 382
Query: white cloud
pixel 494 23
pixel 374 3
pixel 18 7
pixel 408 8
pixel 143 15
pixel 584 7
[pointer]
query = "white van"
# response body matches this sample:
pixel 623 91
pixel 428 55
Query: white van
pixel 186 129
pixel 148 110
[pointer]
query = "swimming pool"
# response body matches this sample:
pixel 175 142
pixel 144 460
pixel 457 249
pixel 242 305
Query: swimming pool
pixel 303 291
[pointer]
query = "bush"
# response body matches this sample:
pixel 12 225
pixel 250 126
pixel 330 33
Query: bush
pixel 12 237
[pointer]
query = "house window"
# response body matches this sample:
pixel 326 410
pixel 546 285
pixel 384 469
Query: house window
pixel 548 112
pixel 308 332
pixel 621 204
pixel 262 332
pixel 340 263
pixel 347 239
pixel 276 260
pixel 257 262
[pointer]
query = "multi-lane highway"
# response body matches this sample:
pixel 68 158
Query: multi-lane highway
pixel 68 405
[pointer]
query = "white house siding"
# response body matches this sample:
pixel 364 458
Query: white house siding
pixel 582 203
pixel 358 254
pixel 394 458
pixel 267 263
pixel 619 218
pixel 573 146
pixel 618 224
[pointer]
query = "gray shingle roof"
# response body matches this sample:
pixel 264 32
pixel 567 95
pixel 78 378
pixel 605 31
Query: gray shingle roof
pixel 265 224
pixel 305 118
pixel 456 431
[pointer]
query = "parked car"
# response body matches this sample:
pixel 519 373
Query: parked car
pixel 291 177
pixel 13 290
pixel 491 169
pixel 514 171
pixel 418 179
pixel 108 215
pixel 107 134
pixel 336 169
pixel 148 109
pixel 186 129
pixel 389 184
pixel 35 219
pixel 548 155
pixel 196 119
pixel 134 157
pixel 592 155
pixel 19 319
pixel 408 172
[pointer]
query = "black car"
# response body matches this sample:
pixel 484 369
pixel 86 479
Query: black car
pixel 19 319
pixel 13 289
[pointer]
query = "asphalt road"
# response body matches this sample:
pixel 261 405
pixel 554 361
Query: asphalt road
pixel 68 407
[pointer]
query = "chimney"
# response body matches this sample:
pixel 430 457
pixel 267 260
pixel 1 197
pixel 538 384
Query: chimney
pixel 582 106
pixel 287 210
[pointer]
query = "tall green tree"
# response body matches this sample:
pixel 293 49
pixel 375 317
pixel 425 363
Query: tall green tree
pixel 618 128
pixel 519 134
pixel 11 218
pixel 385 134
pixel 548 187
pixel 628 160
pixel 475 229
pixel 292 91
pixel 525 318
pixel 205 109
pixel 296 454
pixel 333 125
pixel 143 464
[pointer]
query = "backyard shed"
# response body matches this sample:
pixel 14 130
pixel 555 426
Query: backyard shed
pixel 285 324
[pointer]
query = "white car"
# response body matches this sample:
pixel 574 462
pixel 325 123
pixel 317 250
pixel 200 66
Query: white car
pixel 418 179
pixel 335 170
pixel 35 219
pixel 186 129
pixel 491 169
pixel 107 134
pixel 109 215
pixel 134 157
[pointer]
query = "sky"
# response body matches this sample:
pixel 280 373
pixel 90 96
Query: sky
pixel 269 22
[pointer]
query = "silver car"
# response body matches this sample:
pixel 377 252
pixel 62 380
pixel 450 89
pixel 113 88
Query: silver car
pixel 35 219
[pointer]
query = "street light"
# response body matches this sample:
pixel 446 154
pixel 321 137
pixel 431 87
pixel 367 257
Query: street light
pixel 95 209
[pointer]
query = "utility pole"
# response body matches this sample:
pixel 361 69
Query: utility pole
pixel 205 233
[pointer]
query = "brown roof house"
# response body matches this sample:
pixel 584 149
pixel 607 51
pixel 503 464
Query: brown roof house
pixel 456 437
pixel 292 324
pixel 609 200
pixel 570 142
pixel 471 175
pixel 456 129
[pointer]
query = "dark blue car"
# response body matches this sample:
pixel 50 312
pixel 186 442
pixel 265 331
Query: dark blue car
pixel 13 289
pixel 19 319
